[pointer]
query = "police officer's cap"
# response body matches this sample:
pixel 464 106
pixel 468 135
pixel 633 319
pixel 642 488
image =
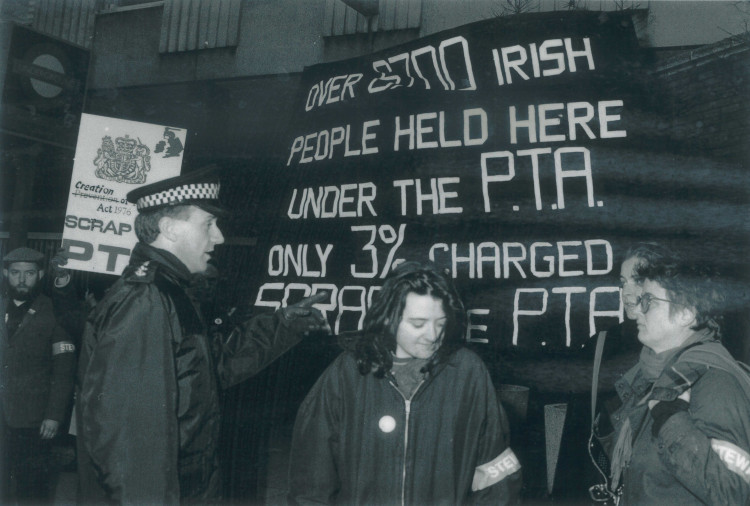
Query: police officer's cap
pixel 23 255
pixel 199 188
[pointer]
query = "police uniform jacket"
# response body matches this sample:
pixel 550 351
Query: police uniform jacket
pixel 357 440
pixel 148 405
pixel 38 363
pixel 701 455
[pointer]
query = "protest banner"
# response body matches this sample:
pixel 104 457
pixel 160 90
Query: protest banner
pixel 113 157
pixel 514 153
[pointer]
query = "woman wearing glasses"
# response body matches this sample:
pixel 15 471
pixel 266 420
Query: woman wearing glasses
pixel 613 353
pixel 682 431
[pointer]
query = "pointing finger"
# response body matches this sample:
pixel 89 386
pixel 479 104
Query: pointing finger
pixel 314 299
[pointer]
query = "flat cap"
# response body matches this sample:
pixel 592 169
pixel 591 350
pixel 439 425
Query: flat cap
pixel 198 188
pixel 24 255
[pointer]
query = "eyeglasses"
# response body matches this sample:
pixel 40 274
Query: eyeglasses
pixel 645 301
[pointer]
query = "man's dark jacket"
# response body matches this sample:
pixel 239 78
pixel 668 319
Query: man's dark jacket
pixel 38 362
pixel 148 405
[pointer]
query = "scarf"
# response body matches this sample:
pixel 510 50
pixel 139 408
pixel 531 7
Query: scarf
pixel 652 364
pixel 408 374
pixel 623 449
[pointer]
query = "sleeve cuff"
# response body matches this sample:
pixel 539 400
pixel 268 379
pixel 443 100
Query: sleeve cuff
pixel 62 280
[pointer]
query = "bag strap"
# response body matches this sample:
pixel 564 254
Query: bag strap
pixel 601 491
pixel 600 338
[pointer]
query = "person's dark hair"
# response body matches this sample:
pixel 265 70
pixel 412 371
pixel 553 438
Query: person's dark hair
pixel 648 252
pixel 374 345
pixel 147 221
pixel 688 284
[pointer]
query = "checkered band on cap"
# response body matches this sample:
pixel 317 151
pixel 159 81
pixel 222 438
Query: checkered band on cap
pixel 197 191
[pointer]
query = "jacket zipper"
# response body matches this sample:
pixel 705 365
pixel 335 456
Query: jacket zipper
pixel 407 407
pixel 406 441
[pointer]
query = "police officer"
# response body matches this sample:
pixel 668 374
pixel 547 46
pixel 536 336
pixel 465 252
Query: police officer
pixel 148 405
pixel 37 383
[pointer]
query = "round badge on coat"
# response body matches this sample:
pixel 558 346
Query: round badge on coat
pixel 387 424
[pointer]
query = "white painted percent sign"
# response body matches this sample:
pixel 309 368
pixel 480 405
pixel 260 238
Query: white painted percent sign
pixel 388 235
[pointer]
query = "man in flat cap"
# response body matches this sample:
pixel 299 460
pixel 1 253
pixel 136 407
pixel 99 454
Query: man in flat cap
pixel 148 404
pixel 38 369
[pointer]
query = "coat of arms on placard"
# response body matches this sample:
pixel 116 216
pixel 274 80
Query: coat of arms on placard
pixel 125 160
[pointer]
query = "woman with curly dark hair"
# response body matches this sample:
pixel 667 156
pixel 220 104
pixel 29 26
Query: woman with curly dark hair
pixel 405 415
pixel 376 345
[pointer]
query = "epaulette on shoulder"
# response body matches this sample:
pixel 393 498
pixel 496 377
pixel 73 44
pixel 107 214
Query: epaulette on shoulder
pixel 144 273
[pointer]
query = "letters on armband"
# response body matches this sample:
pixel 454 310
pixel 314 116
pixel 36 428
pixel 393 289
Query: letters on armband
pixel 495 471
pixel 735 458
pixel 63 347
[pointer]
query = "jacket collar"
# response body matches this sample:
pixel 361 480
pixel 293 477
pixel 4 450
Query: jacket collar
pixel 437 369
pixel 33 306
pixel 633 381
pixel 169 264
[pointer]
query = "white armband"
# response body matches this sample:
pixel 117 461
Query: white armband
pixel 735 458
pixel 63 347
pixel 495 471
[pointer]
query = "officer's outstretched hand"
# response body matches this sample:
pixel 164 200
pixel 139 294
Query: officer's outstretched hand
pixel 305 309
